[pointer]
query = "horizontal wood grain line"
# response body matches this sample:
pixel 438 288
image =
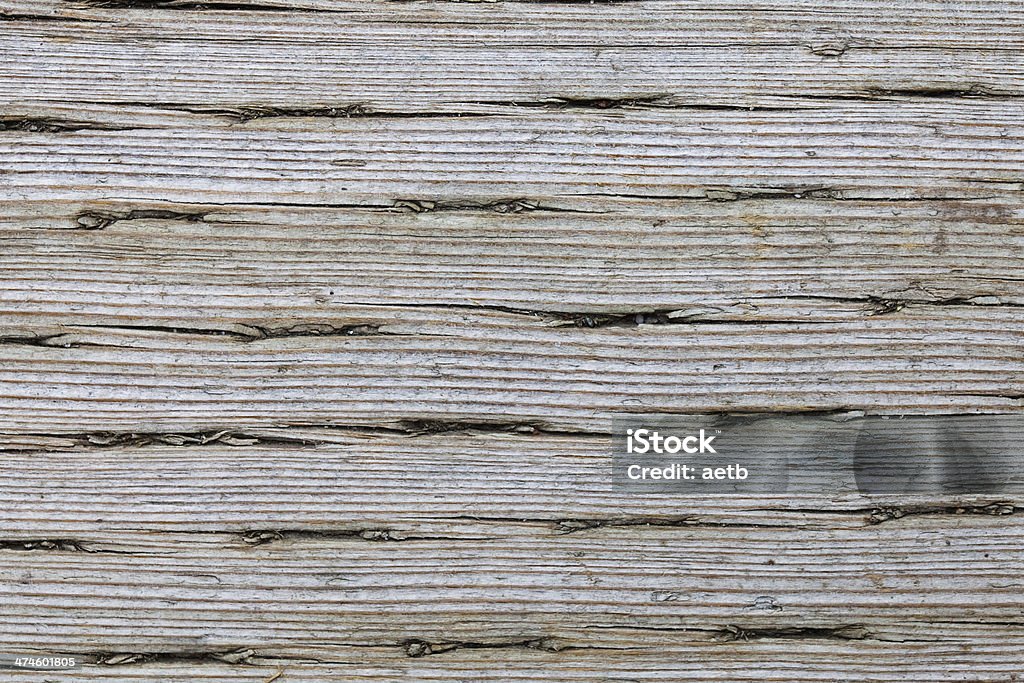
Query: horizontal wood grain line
pixel 463 50
pixel 827 33
pixel 559 378
pixel 933 149
pixel 786 663
pixel 653 15
pixel 846 653
pixel 117 493
pixel 48 66
pixel 438 591
pixel 255 271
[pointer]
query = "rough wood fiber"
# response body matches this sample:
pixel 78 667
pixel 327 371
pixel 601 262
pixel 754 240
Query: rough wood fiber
pixel 390 485
pixel 566 261
pixel 90 379
pixel 314 315
pixel 420 56
pixel 930 149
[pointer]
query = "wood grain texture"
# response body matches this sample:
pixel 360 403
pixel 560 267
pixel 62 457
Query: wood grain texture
pixel 566 261
pixel 390 484
pixel 758 661
pixel 933 149
pixel 291 593
pixel 130 380
pixel 315 316
pixel 429 55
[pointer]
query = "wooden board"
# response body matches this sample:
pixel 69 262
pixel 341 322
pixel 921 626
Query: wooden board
pixel 315 317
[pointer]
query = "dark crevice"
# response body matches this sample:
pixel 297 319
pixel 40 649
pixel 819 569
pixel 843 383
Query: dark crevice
pixel 239 437
pixel 245 334
pixel 962 301
pixel 199 5
pixel 28 340
pixel 515 205
pixel 728 107
pixel 804 192
pixel 52 125
pixel 559 103
pixel 1009 180
pixel 252 333
pixel 583 319
pixel 100 219
pixel 52 341
pixel 423 648
pixel 241 656
pixel 112 440
pixel 20 16
pixel 257 537
pixel 973 91
pixel 727 194
pixel 521 205
pixel 97 220
pixel 244 114
pixel 363 111
pixel 733 194
pixel 65 545
pixel 874 305
pixel 737 194
pixel 414 647
pixel 423 427
pixel 881 305
pixel 357 110
pixel 882 514
pixel 830 48
pixel 732 633
pixel 555 104
pixel 660 101
pixel 210 206
pixel 664 317
pixel 546 2
pixel 1008 395
pixel 105 440
pixel 571 526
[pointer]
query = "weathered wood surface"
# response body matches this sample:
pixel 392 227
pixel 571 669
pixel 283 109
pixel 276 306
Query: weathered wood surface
pixel 89 379
pixel 413 56
pixel 929 149
pixel 378 483
pixel 207 267
pixel 314 316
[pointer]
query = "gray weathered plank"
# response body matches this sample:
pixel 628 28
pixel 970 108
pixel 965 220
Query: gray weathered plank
pixel 293 237
pixel 433 55
pixel 932 149
pixel 562 261
pixel 971 653
pixel 101 492
pixel 217 593
pixel 137 380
